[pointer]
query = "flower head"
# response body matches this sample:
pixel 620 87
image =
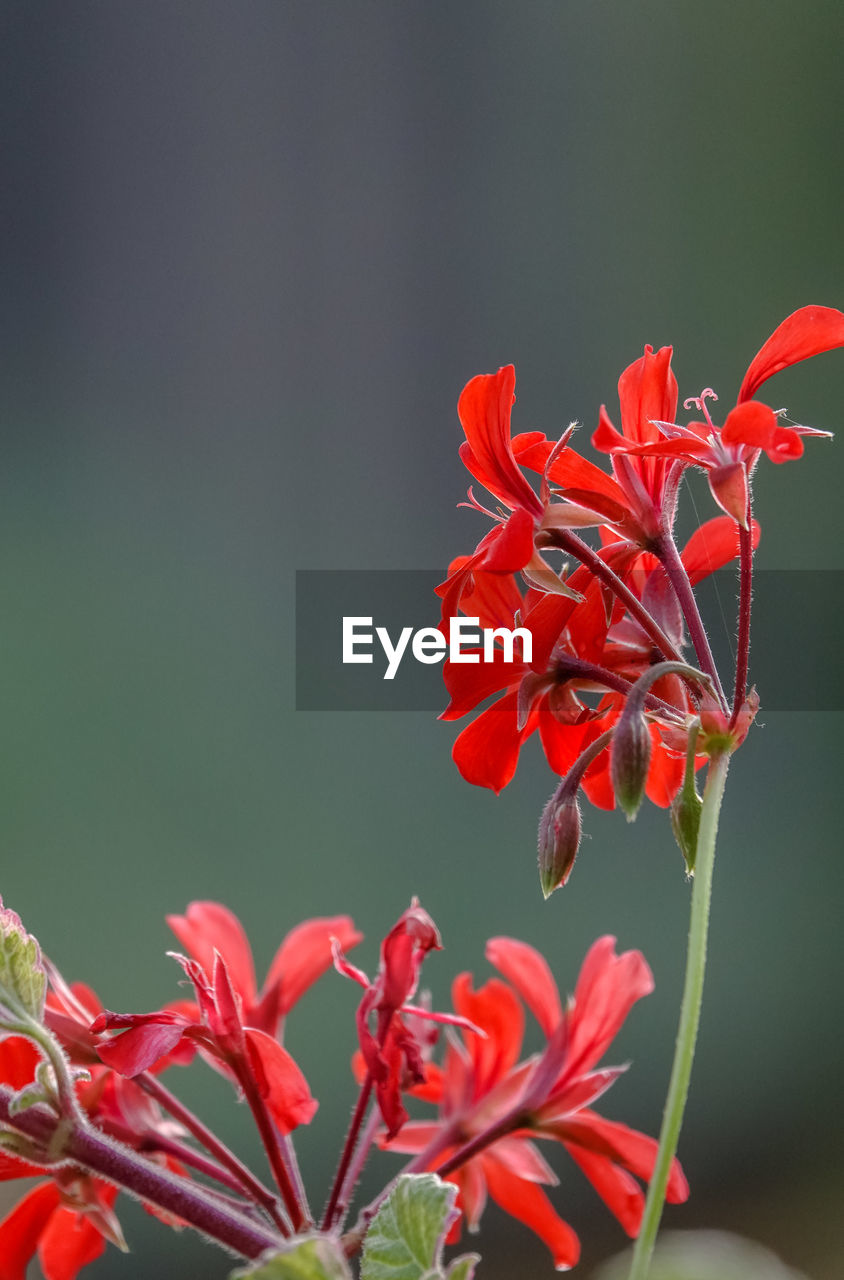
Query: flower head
pixel 493 1104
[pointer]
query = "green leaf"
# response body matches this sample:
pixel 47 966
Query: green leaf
pixel 23 982
pixel 304 1258
pixel 405 1239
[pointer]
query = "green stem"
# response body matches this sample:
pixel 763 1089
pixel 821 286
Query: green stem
pixel 684 1050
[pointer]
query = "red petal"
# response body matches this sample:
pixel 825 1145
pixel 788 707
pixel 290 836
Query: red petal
pixel 528 971
pixel 751 423
pixel 484 411
pixel 633 1150
pixel 492 597
pixel 496 1009
pixel 280 1081
pixel 487 751
pixel 18 1060
pixel 713 545
pixel 512 548
pixel 305 954
pixel 141 1047
pixel 807 332
pixel 729 489
pixel 647 391
pixel 570 471
pixel 608 986
pixel 665 773
pixel 69 1242
pixel 619 1191
pixel 207 927
pixel 469 684
pixel 528 1203
pixel 414 1137
pixel 21 1229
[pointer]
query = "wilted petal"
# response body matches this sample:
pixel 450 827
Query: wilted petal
pixel 207 927
pixel 729 489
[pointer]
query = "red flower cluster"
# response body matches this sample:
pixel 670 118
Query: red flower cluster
pixel 629 603
pixel 493 1104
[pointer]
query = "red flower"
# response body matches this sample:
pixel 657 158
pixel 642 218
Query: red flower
pixel 230 1024
pixel 494 458
pixel 730 454
pixel 544 694
pixel 66 1226
pixel 484 1089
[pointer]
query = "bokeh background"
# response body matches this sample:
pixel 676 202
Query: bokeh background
pixel 251 253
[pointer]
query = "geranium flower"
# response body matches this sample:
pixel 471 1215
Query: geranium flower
pixel 729 454
pixel 66 1226
pixel 571 641
pixel 492 1105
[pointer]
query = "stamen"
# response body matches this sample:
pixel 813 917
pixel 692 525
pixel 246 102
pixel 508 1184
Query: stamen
pixel 474 505
pixel 699 403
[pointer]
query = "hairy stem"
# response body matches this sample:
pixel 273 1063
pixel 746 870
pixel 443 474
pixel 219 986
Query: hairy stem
pixel 684 1049
pixel 745 597
pixel 666 552
pixel 104 1156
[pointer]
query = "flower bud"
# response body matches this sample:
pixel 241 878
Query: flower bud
pixel 23 982
pixel 685 823
pixel 559 840
pixel 630 756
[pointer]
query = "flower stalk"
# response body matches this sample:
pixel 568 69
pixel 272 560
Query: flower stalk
pixel 684 1049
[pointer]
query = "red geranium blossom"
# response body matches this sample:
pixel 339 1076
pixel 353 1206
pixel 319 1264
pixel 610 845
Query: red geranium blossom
pixel 484 1088
pixel 729 455
pixel 229 1024
pixel 571 640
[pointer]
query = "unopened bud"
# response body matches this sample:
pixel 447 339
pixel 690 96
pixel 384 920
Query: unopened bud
pixel 23 982
pixel 630 756
pixel 685 823
pixel 559 840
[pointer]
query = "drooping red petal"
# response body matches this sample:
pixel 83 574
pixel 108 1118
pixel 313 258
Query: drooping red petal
pixel 521 1157
pixel 487 751
pixel 21 1229
pixel 141 1047
pixel 512 548
pixel 496 1009
pixel 305 954
pixel 619 1191
pixel 635 1151
pixel 68 1243
pixel 207 927
pixel 280 1081
pixel 807 332
pixel 414 1137
pixel 529 972
pixel 713 545
pixel 484 411
pixel 529 1203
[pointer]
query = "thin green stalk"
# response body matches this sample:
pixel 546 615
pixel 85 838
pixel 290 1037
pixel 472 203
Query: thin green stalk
pixel 684 1050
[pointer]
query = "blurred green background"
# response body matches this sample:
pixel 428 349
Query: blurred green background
pixel 251 254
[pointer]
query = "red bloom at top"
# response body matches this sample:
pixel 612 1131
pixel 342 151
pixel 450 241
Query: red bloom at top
pixel 485 1089
pixel 729 455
